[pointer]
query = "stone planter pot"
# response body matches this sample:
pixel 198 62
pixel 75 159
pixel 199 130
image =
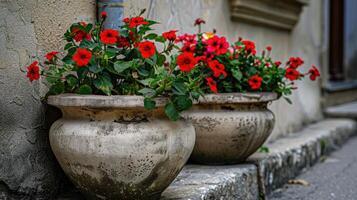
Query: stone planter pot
pixel 112 148
pixel 230 127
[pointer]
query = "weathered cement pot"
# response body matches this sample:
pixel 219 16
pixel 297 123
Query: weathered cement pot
pixel 112 148
pixel 230 127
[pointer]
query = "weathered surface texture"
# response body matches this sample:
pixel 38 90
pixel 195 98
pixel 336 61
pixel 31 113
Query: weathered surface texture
pixel 29 28
pixel 232 182
pixel 119 152
pixel 289 156
pixel 230 128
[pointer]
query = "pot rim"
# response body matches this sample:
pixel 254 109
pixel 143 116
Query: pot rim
pixel 101 101
pixel 231 98
pixel 136 101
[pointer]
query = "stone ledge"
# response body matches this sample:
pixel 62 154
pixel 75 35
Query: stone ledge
pixel 291 155
pixel 230 182
pixel 348 110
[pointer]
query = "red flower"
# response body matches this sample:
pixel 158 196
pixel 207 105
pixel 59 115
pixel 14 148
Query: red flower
pixel 292 74
pixel 217 68
pixel 109 36
pixel 212 84
pixel 277 63
pixel 249 47
pixel 122 42
pixel 82 57
pixel 137 21
pixel 186 61
pixel 295 62
pixel 51 55
pixel 216 44
pixel 33 71
pixel 314 72
pixel 255 82
pixel 269 48
pixel 147 49
pixel 126 20
pixel 104 14
pixel 79 35
pixel 188 48
pixel 199 21
pixel 170 35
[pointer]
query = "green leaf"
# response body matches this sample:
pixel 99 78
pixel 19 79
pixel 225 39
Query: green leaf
pixel 149 103
pixel 237 74
pixel 160 39
pixel 88 28
pixel 68 46
pixel 171 111
pixel 146 82
pixel 71 80
pixel 179 87
pixel 121 66
pixel 87 44
pixel 150 62
pixel 182 102
pixel 151 36
pixel 288 100
pixel 147 92
pixel 84 89
pixel 161 60
pixel 57 88
pixel 263 149
pixel 104 84
pixel 95 68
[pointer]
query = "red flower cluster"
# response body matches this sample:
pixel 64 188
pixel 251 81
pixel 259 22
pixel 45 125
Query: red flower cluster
pixel 217 68
pixel 212 84
pixel 314 73
pixel 187 39
pixel 292 74
pixel 109 36
pixel 51 55
pixel 295 62
pixel 255 82
pixel 170 35
pixel 33 71
pixel 249 47
pixel 147 49
pixel 216 44
pixel 186 61
pixel 82 57
pixel 135 21
pixel 79 35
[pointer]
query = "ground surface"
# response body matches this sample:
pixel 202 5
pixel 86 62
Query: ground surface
pixel 333 179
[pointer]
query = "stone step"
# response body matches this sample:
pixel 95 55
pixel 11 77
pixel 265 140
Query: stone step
pixel 348 110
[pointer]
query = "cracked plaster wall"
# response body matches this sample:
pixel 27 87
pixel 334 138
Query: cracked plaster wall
pixel 29 28
pixel 305 41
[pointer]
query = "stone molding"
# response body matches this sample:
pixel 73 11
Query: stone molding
pixel 281 14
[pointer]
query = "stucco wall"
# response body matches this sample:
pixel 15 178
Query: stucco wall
pixel 304 41
pixel 29 28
